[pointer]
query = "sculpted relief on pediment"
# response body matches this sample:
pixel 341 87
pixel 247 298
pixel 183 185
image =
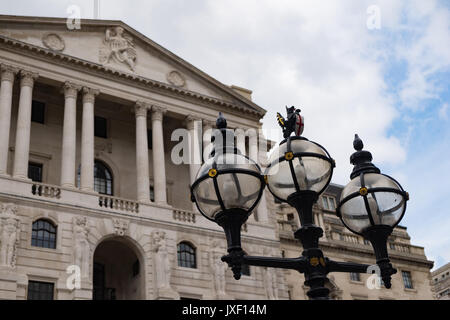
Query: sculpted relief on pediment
pixel 119 47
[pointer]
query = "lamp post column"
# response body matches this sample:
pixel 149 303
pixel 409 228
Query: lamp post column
pixel 24 124
pixel 8 74
pixel 159 166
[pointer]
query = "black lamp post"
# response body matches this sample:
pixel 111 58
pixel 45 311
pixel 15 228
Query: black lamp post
pixel 229 186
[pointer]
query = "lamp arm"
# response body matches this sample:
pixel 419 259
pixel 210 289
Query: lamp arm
pixel 276 262
pixel 235 259
pixel 336 266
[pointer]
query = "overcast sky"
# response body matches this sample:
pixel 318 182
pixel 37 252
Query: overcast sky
pixel 377 68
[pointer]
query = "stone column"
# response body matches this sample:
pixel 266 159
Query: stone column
pixel 159 165
pixel 193 124
pixel 261 159
pixel 69 135
pixel 87 140
pixel 240 140
pixel 142 169
pixel 8 74
pixel 22 150
pixel 253 144
pixel 207 132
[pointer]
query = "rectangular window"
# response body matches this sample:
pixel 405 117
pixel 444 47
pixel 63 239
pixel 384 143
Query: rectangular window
pixel 325 203
pixel 35 171
pixel 37 111
pixel 152 193
pixel 100 127
pixel 407 280
pixel 149 139
pixel 40 290
pixel 331 203
pixel 355 276
pixel 392 246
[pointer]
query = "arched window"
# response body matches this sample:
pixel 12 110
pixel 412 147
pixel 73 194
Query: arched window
pixel 186 255
pixel 103 179
pixel 43 234
pixel 245 269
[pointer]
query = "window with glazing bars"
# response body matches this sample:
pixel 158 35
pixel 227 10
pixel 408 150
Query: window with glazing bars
pixel 35 171
pixel 102 179
pixel 186 255
pixel 407 280
pixel 40 290
pixel 43 234
pixel 354 276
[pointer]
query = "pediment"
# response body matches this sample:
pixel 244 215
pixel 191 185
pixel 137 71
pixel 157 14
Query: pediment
pixel 115 45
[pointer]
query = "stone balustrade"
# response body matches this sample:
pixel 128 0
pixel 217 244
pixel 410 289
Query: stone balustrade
pixel 184 216
pixel 45 190
pixel 118 204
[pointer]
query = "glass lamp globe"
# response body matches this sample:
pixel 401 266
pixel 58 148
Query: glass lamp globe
pixel 227 182
pixel 370 198
pixel 297 165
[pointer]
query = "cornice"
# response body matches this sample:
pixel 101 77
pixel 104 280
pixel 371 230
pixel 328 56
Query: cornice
pixel 166 89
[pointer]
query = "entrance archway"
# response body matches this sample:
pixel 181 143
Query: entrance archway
pixel 118 271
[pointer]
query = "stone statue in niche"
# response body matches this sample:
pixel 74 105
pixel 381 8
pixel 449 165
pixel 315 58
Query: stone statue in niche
pixel 119 47
pixel 270 283
pixel 218 268
pixel 162 263
pixel 10 231
pixel 81 245
pixel 270 278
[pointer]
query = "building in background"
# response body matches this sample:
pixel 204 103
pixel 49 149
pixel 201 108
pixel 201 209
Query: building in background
pixel 86 172
pixel 440 281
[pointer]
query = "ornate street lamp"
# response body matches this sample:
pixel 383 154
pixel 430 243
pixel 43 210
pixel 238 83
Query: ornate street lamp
pixel 229 186
pixel 372 204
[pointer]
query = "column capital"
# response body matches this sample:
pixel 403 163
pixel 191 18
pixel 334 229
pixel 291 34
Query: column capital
pixel 208 123
pixel 70 89
pixel 27 78
pixel 252 132
pixel 8 73
pixel 158 112
pixel 141 108
pixel 190 120
pixel 89 94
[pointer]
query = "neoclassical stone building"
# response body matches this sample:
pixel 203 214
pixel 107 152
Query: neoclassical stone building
pixel 86 171
pixel 88 181
pixel 441 282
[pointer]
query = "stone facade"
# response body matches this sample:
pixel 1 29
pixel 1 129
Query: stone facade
pixel 130 236
pixel 339 244
pixel 440 281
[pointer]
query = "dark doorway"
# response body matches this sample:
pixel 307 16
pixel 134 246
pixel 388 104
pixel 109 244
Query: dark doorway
pixel 117 274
